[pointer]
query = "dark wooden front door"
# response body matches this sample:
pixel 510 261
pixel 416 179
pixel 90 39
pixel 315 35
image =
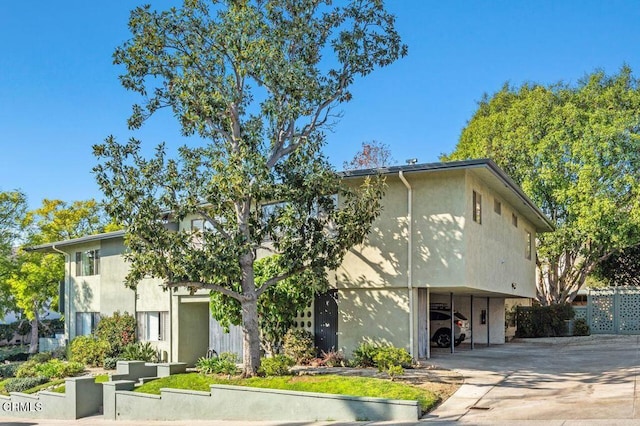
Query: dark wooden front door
pixel 326 321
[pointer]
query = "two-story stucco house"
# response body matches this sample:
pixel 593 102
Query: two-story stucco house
pixel 457 235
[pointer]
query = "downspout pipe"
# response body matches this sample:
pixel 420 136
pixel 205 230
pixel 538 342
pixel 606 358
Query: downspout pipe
pixel 409 255
pixel 68 289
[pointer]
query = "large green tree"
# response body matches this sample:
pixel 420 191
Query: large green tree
pixel 258 81
pixel 13 207
pixel 33 278
pixel 575 150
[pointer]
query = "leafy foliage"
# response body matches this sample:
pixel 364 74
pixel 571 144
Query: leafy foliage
pixel 258 81
pixel 392 360
pixel 9 370
pixel 225 363
pixel 89 350
pixel 119 330
pixel 575 151
pixel 333 358
pixel 23 383
pixel 140 352
pixel 299 346
pixel 621 268
pixel 364 355
pixel 110 363
pixel 277 365
pixel 581 328
pixel 51 369
pixel 543 321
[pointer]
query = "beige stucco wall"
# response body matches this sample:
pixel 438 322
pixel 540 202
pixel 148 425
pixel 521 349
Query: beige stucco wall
pixel 495 249
pixel 372 315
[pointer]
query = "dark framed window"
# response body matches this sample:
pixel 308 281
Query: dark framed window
pixel 477 207
pixel 529 246
pixel 514 220
pixel 497 207
pixel 87 263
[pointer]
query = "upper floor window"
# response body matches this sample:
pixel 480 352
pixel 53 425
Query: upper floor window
pixel 200 224
pixel 514 220
pixel 87 263
pixel 529 247
pixel 477 207
pixel 497 206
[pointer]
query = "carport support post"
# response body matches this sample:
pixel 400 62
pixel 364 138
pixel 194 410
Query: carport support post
pixel 471 322
pixel 488 324
pixel 453 330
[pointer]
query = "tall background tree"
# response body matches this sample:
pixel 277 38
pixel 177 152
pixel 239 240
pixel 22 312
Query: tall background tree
pixel 13 208
pixel 575 150
pixel 372 155
pixel 259 81
pixel 31 279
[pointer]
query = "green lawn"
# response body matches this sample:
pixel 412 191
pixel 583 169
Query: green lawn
pixel 343 385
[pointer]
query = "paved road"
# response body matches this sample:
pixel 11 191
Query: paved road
pixel 552 382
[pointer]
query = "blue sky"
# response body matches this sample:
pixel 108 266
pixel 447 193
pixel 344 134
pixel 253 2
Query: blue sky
pixel 59 92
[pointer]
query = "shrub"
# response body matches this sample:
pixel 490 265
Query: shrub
pixel 581 328
pixel 9 370
pixel 543 321
pixel 363 355
pixel 7 331
pixel 53 369
pixel 392 360
pixel 24 383
pixel 88 350
pixel 223 364
pixel 332 358
pixel 110 363
pixel 278 365
pixel 41 357
pixel 298 345
pixel 140 352
pixel 119 330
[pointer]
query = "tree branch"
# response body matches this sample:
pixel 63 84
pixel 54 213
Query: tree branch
pixel 204 286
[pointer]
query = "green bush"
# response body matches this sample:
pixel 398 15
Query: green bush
pixel 298 345
pixel 278 365
pixel 7 331
pixel 23 383
pixel 543 321
pixel 139 352
pixel 9 370
pixel 89 350
pixel 110 363
pixel 53 369
pixel 41 357
pixel 226 363
pixel 581 328
pixel 119 330
pixel 364 354
pixel 392 360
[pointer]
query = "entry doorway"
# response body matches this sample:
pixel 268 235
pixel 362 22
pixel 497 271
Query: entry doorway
pixel 326 321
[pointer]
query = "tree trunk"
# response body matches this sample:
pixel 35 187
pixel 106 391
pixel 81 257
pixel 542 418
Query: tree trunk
pixel 33 345
pixel 251 337
pixel 250 324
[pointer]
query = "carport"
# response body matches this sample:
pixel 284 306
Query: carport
pixel 484 311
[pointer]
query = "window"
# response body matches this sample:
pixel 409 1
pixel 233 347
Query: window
pixel 477 207
pixel 86 322
pixel 528 248
pixel 514 220
pixel 497 206
pixel 200 224
pixel 152 326
pixel 87 263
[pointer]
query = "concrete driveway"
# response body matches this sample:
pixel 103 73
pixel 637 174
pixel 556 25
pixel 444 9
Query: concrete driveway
pixel 573 380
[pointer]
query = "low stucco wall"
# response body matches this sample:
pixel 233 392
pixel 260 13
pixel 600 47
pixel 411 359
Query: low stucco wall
pixel 249 404
pixel 83 397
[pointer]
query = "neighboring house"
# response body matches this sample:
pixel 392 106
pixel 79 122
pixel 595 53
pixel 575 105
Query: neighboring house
pixel 457 235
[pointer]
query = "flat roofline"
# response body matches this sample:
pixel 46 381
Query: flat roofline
pixel 480 163
pixel 50 247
